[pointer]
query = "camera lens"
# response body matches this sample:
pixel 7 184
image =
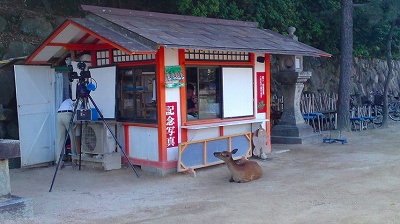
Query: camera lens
pixel 81 65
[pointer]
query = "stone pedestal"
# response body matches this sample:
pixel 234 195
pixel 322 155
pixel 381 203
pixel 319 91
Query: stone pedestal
pixel 106 161
pixel 11 207
pixel 292 128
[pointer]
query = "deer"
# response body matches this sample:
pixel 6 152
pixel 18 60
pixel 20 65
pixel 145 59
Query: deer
pixel 242 170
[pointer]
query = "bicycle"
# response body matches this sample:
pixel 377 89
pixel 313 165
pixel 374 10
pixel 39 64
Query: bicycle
pixel 377 106
pixel 365 111
pixel 394 109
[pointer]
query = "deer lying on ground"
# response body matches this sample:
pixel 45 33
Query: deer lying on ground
pixel 242 170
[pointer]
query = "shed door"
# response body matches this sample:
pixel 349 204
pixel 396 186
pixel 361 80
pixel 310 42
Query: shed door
pixel 36 117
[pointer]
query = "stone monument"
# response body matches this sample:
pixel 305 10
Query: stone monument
pixel 292 128
pixel 11 206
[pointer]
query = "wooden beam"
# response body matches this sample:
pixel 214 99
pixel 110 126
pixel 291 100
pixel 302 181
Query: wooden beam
pixel 78 47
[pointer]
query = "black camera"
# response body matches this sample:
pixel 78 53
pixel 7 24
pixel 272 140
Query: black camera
pixel 81 90
pixel 82 75
pixel 71 74
pixel 81 65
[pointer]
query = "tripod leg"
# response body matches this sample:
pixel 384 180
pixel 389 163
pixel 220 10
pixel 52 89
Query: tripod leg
pixel 115 138
pixel 63 150
pixel 80 147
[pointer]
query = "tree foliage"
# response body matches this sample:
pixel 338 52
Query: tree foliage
pixel 383 15
pixel 317 21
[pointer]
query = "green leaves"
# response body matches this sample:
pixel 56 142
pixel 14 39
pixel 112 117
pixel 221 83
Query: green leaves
pixel 317 22
pixel 202 8
pixel 372 28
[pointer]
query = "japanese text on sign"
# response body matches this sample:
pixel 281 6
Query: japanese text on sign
pixel 261 107
pixel 171 124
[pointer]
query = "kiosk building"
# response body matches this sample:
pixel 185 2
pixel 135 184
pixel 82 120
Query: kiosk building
pixel 141 63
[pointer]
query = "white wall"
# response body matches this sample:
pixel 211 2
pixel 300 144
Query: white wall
pixel 173 95
pixel 200 134
pixel 143 143
pixel 259 67
pixel 237 129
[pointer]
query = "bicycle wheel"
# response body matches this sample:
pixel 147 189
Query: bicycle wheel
pixel 378 117
pixel 394 111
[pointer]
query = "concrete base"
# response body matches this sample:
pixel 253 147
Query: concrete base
pixel 107 161
pixel 290 134
pixel 14 207
pixel 112 161
pixel 157 171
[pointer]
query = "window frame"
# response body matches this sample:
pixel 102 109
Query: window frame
pixel 135 94
pixel 220 92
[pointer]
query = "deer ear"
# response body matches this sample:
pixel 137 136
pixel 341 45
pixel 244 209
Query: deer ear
pixel 234 151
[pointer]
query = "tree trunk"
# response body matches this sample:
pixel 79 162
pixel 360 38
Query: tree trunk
pixel 346 66
pixel 389 76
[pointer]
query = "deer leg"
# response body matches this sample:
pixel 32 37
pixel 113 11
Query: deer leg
pixel 242 181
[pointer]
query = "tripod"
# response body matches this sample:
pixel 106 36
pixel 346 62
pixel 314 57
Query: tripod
pixel 84 94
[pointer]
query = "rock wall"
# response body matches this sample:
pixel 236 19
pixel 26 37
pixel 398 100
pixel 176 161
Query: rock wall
pixel 367 75
pixel 21 32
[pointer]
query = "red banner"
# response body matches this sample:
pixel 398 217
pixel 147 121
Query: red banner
pixel 172 124
pixel 261 107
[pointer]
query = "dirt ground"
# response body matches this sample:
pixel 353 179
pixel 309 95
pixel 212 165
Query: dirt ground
pixel 356 182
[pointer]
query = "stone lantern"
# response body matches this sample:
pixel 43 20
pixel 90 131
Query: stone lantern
pixel 292 128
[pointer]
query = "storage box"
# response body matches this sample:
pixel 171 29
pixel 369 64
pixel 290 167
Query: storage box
pixel 84 115
pixel 95 115
pixel 87 115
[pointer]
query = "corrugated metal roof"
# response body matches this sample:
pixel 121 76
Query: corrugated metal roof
pixel 115 37
pixel 143 32
pixel 82 31
pixel 188 32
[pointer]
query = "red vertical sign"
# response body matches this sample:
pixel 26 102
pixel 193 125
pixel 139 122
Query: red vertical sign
pixel 261 107
pixel 172 124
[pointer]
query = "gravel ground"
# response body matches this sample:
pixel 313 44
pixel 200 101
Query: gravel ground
pixel 356 182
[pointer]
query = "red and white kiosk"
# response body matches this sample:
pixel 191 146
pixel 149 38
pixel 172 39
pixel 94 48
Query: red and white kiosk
pixel 142 62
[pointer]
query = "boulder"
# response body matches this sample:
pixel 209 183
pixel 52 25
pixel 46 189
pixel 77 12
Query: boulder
pixel 18 49
pixel 39 27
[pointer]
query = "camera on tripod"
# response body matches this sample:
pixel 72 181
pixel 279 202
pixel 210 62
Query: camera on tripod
pixel 83 75
pixel 83 87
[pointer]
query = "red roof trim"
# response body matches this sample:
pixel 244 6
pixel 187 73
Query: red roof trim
pixel 46 42
pixel 86 36
pixel 108 44
pixel 101 38
pixel 81 46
